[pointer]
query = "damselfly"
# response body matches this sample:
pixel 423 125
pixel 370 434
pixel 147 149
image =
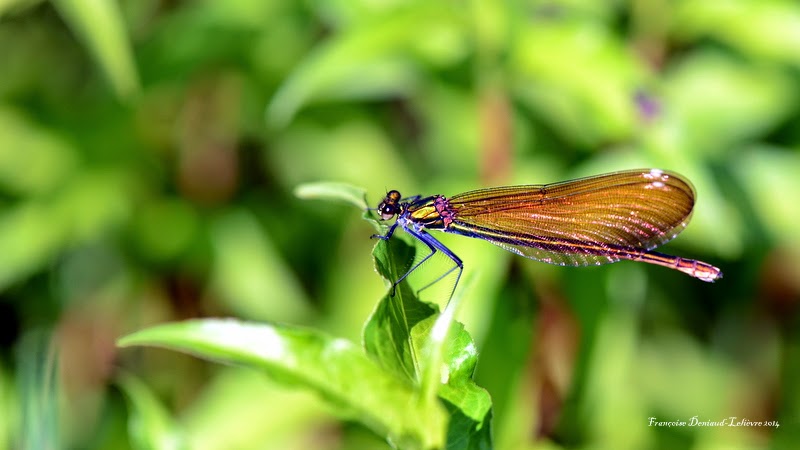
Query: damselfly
pixel 594 220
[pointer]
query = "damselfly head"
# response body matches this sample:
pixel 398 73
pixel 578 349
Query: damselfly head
pixel 390 206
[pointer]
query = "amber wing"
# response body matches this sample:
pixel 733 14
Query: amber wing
pixel 593 220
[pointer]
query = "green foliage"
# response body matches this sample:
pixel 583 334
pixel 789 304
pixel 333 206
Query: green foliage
pixel 102 28
pixel 168 162
pixel 391 386
pixel 334 368
pixel 38 391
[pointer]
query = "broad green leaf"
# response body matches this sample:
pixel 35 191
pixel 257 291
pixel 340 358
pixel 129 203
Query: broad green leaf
pixel 149 423
pixel 411 338
pixel 459 356
pixel 387 333
pixel 448 357
pixel 329 190
pixel 101 27
pixel 357 387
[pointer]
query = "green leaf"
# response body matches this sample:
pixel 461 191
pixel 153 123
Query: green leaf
pixel 459 357
pixel 334 368
pixel 387 333
pixel 448 358
pixel 410 338
pixel 465 433
pixel 330 190
pixel 101 27
pixel 149 423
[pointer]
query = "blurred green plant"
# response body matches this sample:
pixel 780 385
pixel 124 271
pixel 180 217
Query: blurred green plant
pixel 412 356
pixel 149 151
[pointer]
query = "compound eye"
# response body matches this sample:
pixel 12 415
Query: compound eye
pixel 387 211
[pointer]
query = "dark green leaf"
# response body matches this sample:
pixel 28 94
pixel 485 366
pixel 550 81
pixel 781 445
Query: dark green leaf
pixel 387 334
pixel 411 338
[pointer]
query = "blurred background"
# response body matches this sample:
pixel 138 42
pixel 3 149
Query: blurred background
pixel 149 153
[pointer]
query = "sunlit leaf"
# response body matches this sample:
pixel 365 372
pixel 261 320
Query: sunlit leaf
pixel 448 356
pixel 342 192
pixel 459 356
pixel 334 368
